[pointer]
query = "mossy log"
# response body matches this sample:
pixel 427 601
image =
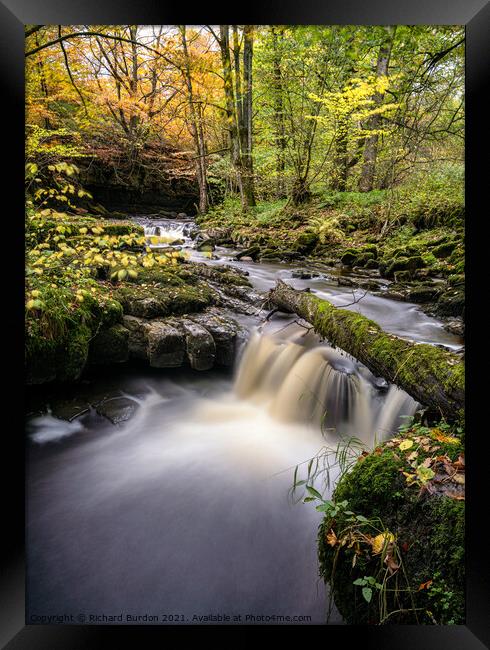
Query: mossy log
pixel 431 375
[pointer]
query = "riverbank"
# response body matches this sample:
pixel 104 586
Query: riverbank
pixel 418 248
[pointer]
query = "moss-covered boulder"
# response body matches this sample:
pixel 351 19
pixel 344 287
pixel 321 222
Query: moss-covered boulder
pixel 444 250
pixel 110 345
pixel 403 264
pixel 154 300
pixel 392 550
pixel 306 242
pixel 451 303
pixel 349 256
pixel 456 279
pixel 423 293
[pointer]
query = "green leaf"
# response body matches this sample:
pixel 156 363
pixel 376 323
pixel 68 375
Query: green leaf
pixel 359 582
pixel 367 593
pixel 313 492
pixel 323 507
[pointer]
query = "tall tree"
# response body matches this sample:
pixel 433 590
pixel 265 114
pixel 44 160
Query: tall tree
pixel 196 126
pixel 366 181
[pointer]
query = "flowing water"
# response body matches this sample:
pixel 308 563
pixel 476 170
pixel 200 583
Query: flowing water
pixel 185 510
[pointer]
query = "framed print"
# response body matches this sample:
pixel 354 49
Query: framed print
pixel 244 315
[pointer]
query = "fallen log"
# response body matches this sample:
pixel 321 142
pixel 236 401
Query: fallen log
pixel 431 375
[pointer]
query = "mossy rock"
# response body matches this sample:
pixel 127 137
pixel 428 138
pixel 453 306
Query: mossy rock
pixel 110 345
pixel 371 264
pixel 402 276
pixel 451 303
pixel 73 354
pixel 349 256
pixel 423 294
pixel 370 248
pixel 122 228
pixel 404 264
pixel 107 311
pixel 456 279
pixel 306 242
pixel 363 259
pixel 154 301
pixel 444 250
pixel 429 531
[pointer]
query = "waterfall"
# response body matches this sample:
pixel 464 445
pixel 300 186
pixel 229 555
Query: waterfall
pixel 299 380
pixel 166 231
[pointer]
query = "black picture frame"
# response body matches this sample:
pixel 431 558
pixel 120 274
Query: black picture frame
pixel 475 14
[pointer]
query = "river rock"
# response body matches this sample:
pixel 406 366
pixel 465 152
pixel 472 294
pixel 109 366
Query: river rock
pixel 138 336
pixel 110 345
pixel 345 282
pixel 166 343
pixel 200 345
pixel 455 326
pixel 207 245
pixel 202 339
pixel 224 332
pixel 304 274
pixel 117 409
pixel 250 253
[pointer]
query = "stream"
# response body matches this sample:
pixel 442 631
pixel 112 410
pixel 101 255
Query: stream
pixel 184 512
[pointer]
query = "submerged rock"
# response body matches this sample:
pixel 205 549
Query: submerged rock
pixel 304 274
pixel 117 409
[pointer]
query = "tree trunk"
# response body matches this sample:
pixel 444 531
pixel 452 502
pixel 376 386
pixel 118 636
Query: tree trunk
pixel 196 129
pixel 280 127
pixel 432 376
pixel 231 113
pixel 366 181
pixel 245 127
pixel 341 164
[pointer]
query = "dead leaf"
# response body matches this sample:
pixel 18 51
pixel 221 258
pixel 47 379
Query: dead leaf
pixel 459 464
pixel 332 538
pixel 459 478
pixel 412 456
pixel 425 585
pixel 391 563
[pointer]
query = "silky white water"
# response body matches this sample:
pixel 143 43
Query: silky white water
pixel 186 509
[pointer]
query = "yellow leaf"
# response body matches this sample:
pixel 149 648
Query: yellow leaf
pixel 382 540
pixel 405 444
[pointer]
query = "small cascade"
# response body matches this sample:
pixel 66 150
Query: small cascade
pixel 299 380
pixel 167 232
